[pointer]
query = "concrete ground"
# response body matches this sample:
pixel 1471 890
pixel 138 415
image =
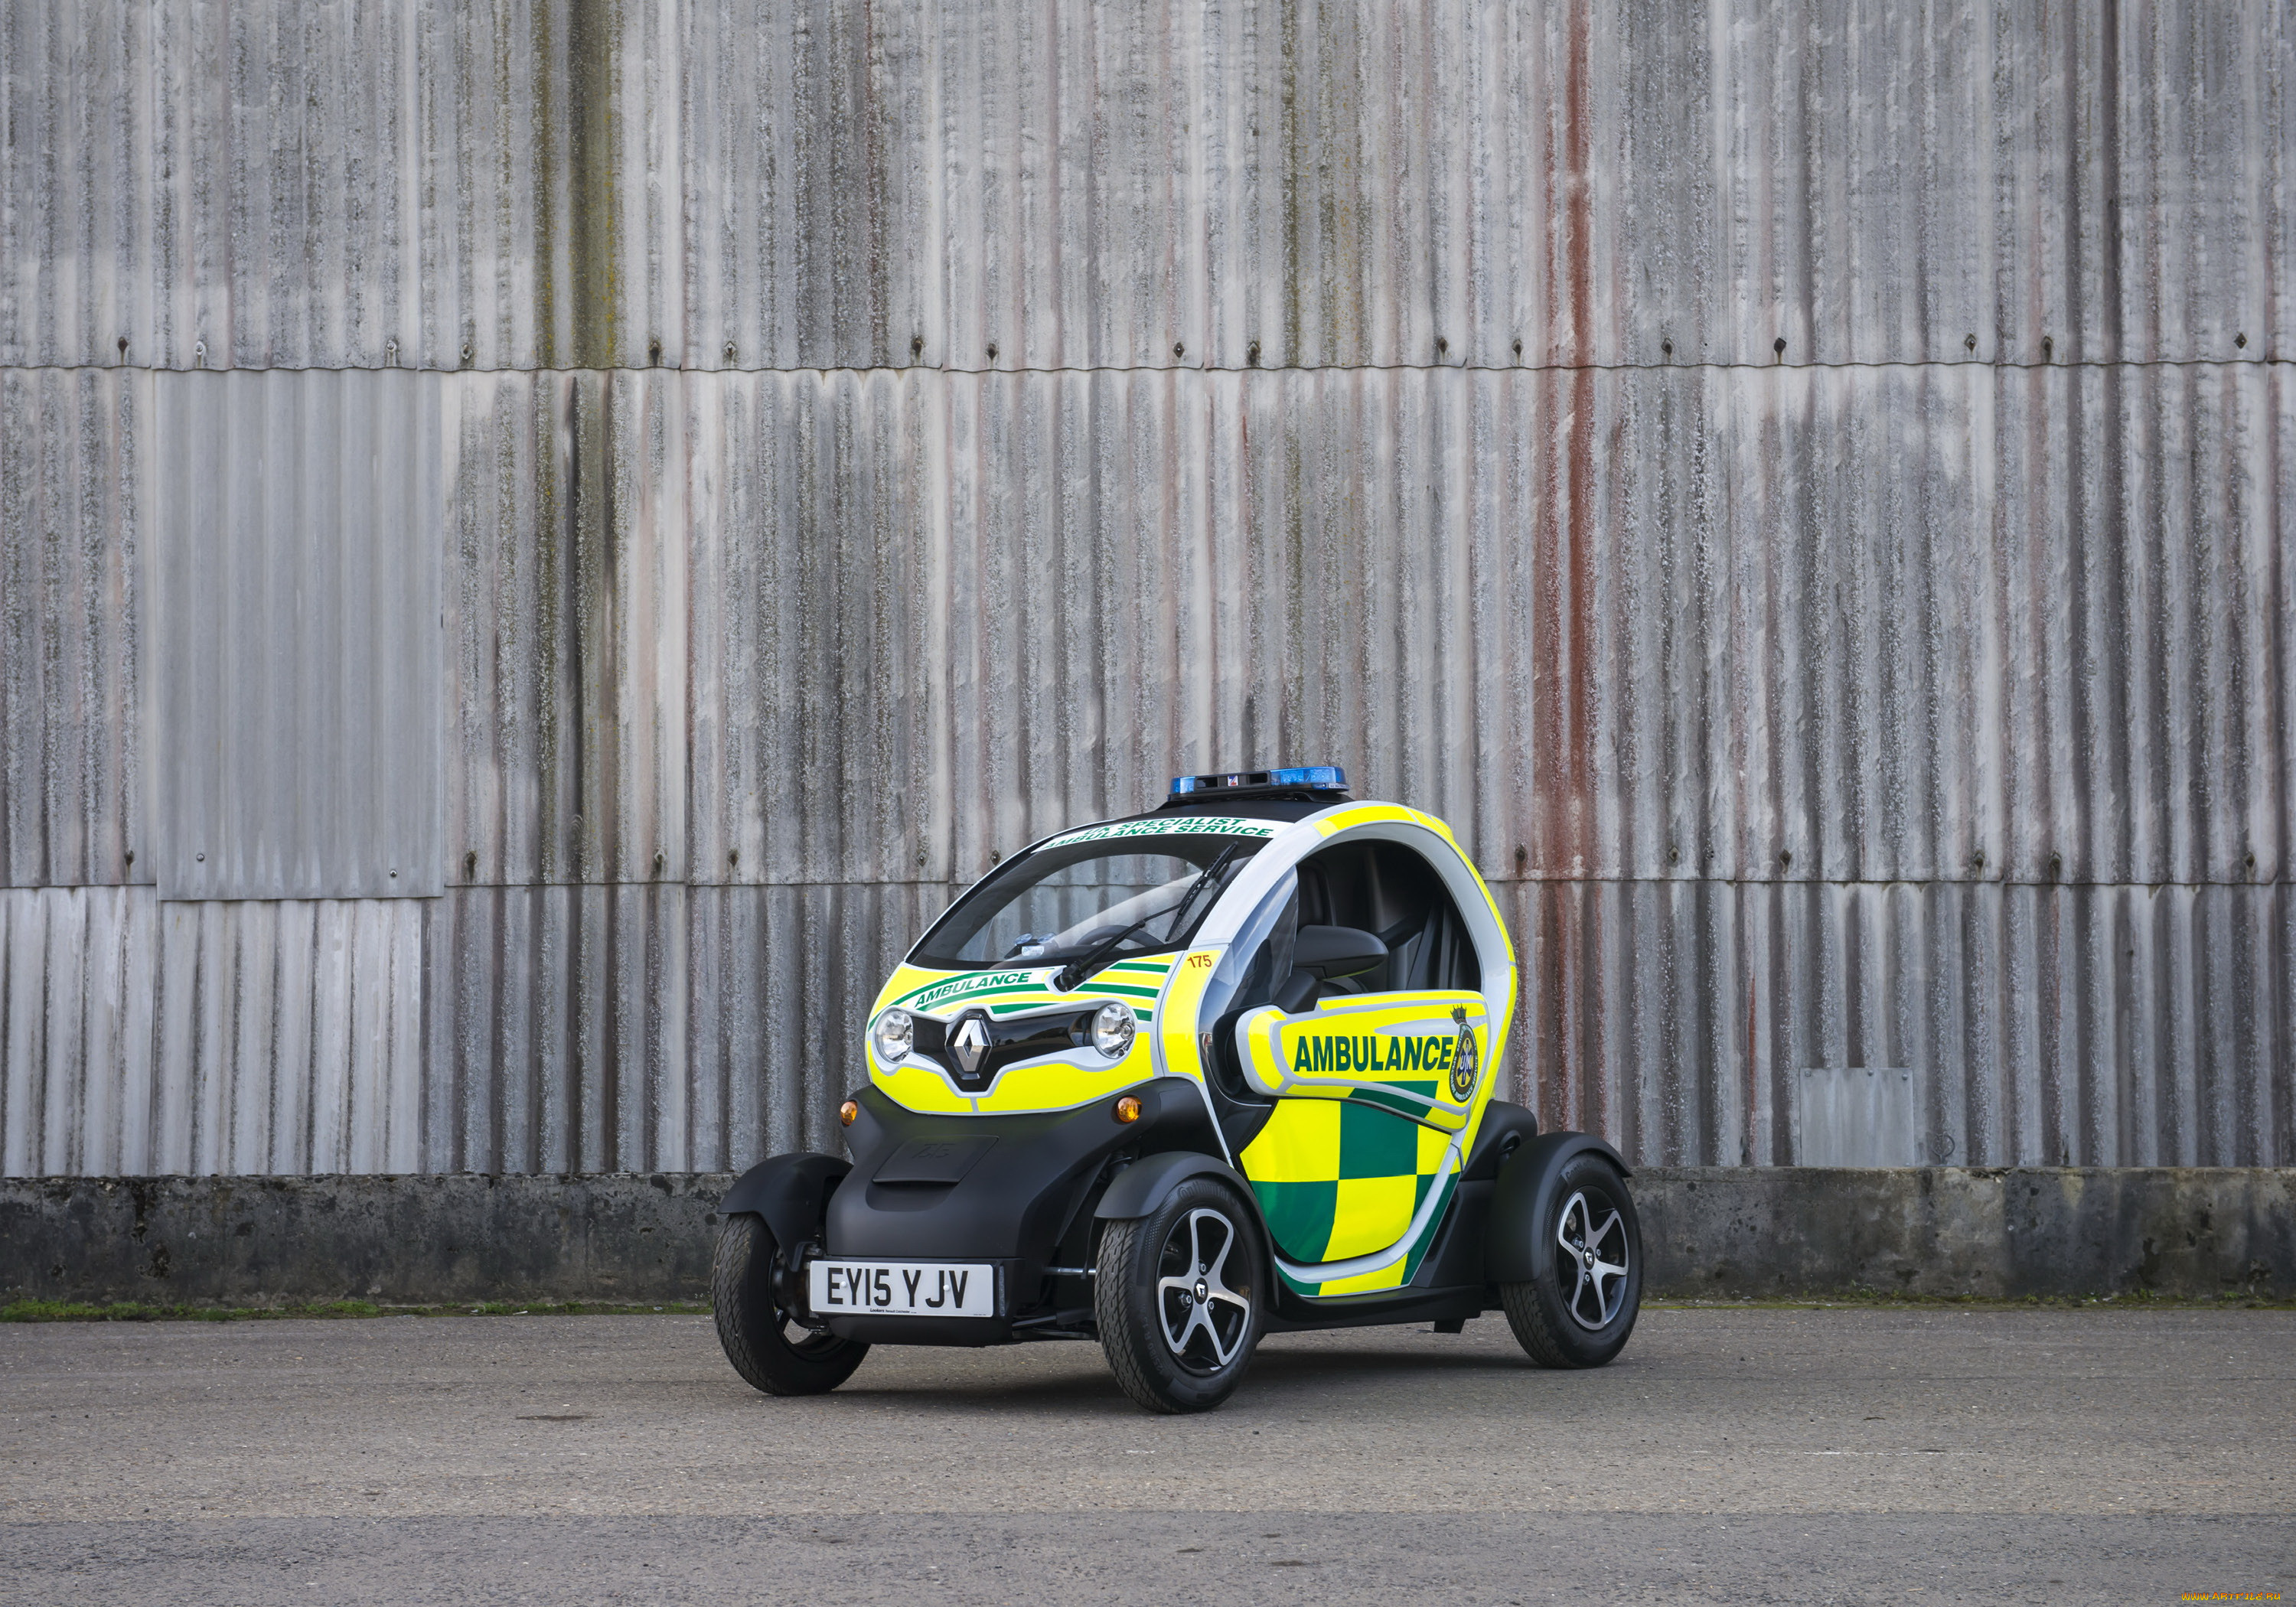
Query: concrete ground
pixel 1729 1456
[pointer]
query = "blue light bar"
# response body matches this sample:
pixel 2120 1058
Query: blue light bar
pixel 1320 778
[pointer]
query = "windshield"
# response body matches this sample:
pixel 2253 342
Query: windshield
pixel 1069 899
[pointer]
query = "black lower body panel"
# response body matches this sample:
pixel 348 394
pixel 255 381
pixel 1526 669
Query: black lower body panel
pixel 923 1330
pixel 1016 1191
pixel 1295 1315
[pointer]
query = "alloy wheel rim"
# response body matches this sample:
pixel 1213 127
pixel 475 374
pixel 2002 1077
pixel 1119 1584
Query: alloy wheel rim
pixel 1597 1251
pixel 1203 1316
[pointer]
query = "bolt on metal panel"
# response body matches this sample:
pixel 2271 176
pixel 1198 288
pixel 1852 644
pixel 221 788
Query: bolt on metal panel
pixel 1856 1116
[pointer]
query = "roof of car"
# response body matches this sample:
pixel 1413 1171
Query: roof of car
pixel 1290 804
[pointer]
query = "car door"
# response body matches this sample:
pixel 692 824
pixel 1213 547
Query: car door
pixel 1374 1081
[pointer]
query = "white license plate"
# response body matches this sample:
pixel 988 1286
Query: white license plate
pixel 902 1288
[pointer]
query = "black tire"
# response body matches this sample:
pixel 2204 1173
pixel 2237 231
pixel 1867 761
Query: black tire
pixel 766 1345
pixel 1141 1301
pixel 1571 1313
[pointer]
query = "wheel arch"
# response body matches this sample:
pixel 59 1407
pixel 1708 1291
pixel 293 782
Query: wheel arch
pixel 789 1192
pixel 1141 1187
pixel 1527 1182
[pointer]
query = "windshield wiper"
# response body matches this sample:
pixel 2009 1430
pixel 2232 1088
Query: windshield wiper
pixel 1211 873
pixel 1065 979
pixel 1077 970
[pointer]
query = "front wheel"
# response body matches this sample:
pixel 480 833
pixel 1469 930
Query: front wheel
pixel 1179 1296
pixel 1586 1286
pixel 766 1344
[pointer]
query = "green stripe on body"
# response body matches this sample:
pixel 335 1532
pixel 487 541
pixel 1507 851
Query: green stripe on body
pixel 958 988
pixel 1004 1010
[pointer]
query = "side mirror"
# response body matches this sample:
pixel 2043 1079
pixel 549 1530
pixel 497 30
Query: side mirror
pixel 1337 951
pixel 1322 953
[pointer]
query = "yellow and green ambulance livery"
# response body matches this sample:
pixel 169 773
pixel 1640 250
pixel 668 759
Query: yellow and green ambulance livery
pixel 1176 1081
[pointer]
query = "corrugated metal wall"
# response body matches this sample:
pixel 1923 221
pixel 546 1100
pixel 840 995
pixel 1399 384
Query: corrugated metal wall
pixel 1890 700
pixel 296 715
pixel 820 183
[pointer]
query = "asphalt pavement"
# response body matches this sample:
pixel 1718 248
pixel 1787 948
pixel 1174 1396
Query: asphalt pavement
pixel 1899 1455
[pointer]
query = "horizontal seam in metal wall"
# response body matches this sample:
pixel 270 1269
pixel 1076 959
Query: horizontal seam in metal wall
pixel 516 887
pixel 1146 368
pixel 1491 881
pixel 2149 887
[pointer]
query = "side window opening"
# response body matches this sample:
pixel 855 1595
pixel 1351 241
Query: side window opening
pixel 1388 890
pixel 1382 888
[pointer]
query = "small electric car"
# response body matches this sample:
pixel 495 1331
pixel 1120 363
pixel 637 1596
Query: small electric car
pixel 1178 1081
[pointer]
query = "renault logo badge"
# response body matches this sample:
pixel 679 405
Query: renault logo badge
pixel 970 1042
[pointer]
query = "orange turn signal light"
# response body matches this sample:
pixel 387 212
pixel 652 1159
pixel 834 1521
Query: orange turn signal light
pixel 1128 1108
pixel 847 1112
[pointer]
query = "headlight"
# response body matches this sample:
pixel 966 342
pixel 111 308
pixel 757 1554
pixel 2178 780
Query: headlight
pixel 1112 1030
pixel 896 1033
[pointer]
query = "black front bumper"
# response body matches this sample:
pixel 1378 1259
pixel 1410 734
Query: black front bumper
pixel 928 1188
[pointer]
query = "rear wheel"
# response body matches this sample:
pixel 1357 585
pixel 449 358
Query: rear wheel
pixel 1179 1299
pixel 1586 1286
pixel 766 1343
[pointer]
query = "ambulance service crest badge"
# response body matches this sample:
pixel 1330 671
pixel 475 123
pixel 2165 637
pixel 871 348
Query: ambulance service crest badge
pixel 1463 1059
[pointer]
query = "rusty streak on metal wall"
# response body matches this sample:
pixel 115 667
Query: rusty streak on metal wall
pixel 817 183
pixel 1894 700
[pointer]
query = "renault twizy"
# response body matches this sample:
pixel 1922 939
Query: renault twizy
pixel 1178 1081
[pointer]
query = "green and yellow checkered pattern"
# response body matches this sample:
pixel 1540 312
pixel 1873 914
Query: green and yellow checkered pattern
pixel 1341 1178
